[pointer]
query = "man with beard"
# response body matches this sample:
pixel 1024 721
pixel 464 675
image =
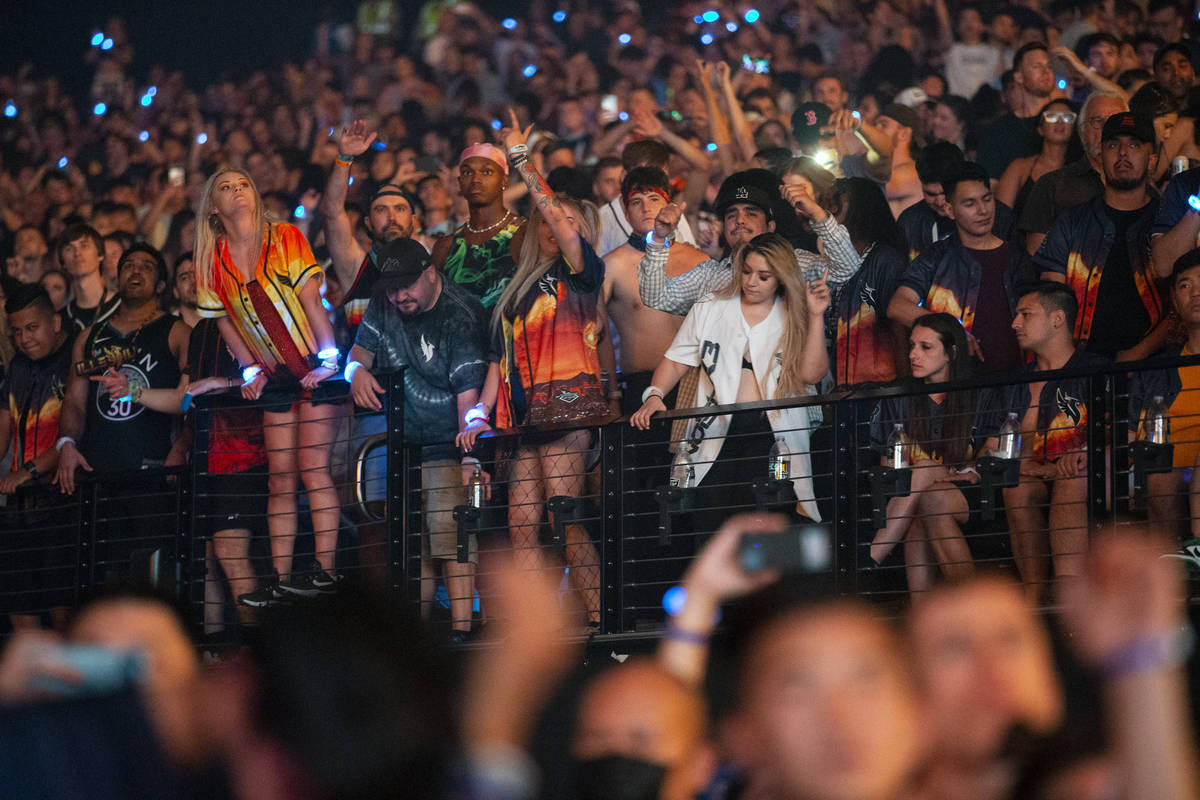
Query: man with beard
pixel 1076 182
pixel 1173 69
pixel 389 217
pixel 480 255
pixel 420 321
pixel 1101 249
pixel 137 347
pixel 747 210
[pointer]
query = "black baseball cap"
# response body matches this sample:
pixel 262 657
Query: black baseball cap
pixel 1126 123
pixel 400 262
pixel 385 189
pixel 741 188
pixel 807 121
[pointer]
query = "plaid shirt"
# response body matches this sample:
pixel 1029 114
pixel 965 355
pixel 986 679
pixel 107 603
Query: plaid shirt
pixel 677 295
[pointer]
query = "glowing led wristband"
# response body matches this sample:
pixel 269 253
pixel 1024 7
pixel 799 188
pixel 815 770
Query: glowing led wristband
pixel 476 414
pixel 351 368
pixel 666 242
pixel 250 373
pixel 62 441
pixel 1194 203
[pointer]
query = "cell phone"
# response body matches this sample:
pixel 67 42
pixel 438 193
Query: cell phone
pixel 175 176
pixel 609 106
pixel 101 670
pixel 800 548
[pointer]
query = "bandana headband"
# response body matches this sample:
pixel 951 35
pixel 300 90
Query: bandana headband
pixel 488 151
pixel 644 189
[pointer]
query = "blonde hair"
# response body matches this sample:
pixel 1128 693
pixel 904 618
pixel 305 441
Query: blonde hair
pixel 209 227
pixel 532 263
pixel 781 261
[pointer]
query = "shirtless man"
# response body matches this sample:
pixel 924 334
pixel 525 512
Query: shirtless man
pixel 1053 416
pixel 645 332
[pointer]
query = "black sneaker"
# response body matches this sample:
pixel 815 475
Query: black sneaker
pixel 300 585
pixel 325 583
pixel 268 594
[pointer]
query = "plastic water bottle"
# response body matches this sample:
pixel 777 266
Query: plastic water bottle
pixel 778 468
pixel 476 490
pixel 897 447
pixel 1010 437
pixel 1158 423
pixel 684 475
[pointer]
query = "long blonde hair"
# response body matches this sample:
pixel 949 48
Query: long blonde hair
pixel 532 263
pixel 209 227
pixel 781 261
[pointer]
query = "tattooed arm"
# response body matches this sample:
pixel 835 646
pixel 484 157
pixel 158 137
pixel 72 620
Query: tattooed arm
pixel 561 219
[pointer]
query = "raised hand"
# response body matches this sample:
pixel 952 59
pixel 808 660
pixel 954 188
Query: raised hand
pixel 799 197
pixel 513 136
pixel 355 139
pixel 667 219
pixel 817 296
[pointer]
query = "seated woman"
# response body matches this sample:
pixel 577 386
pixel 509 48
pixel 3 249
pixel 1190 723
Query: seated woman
pixel 938 429
pixel 761 337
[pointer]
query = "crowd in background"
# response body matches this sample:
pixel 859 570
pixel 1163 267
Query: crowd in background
pixel 600 210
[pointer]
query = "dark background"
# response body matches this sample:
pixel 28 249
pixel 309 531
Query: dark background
pixel 204 39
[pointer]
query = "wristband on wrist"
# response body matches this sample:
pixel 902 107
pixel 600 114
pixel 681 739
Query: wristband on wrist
pixel 652 391
pixel 351 368
pixel 677 634
pixel 343 161
pixel 653 241
pixel 518 149
pixel 477 413
pixel 31 468
pixel 329 358
pixel 250 373
pixel 1168 649
pixel 58 446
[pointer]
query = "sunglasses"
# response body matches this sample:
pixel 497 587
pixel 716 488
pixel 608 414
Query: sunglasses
pixel 1068 117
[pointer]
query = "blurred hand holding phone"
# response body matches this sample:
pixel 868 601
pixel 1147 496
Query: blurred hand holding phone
pixel 799 548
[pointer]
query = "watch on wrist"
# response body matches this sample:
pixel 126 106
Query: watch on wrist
pixel 32 469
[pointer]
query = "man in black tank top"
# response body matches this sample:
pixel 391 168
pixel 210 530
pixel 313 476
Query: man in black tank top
pixel 139 344
pixel 105 432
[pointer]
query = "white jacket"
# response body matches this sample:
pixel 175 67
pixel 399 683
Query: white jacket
pixel 714 336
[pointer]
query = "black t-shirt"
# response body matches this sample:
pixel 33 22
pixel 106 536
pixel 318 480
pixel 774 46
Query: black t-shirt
pixel 76 318
pixel 1120 319
pixel 992 327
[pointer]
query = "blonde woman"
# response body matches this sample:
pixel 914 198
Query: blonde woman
pixel 760 338
pixel 545 335
pixel 259 279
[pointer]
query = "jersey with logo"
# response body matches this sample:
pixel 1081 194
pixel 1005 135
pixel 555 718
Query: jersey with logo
pixel 33 391
pixel 119 433
pixel 443 355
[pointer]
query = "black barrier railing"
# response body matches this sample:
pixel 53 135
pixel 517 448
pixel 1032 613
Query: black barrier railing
pixel 623 513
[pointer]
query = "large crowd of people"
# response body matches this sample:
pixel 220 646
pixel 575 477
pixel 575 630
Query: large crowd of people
pixel 603 211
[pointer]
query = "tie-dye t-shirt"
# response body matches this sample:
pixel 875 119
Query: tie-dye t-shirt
pixel 483 269
pixel 549 368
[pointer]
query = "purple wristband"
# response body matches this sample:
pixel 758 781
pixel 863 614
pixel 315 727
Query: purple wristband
pixel 686 636
pixel 1151 652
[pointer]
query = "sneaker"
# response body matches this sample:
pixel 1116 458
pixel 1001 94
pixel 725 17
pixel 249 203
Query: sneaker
pixel 1189 553
pixel 300 584
pixel 461 637
pixel 268 594
pixel 325 583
